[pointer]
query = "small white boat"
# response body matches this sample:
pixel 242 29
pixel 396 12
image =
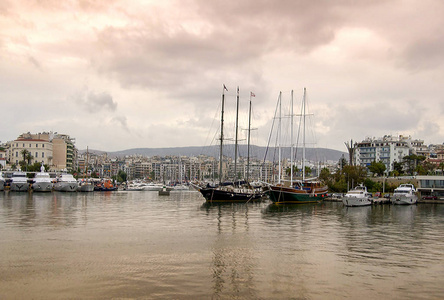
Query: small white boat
pixel 153 186
pixel 164 191
pixel 42 181
pixel 405 194
pixel 357 197
pixel 2 182
pixel 181 187
pixel 66 183
pixel 19 182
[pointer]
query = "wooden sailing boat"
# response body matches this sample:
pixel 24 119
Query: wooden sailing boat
pixel 231 192
pixel 299 191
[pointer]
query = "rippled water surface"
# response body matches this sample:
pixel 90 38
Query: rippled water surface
pixel 141 245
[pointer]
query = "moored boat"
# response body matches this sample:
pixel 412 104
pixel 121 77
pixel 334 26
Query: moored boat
pixel 2 182
pixel 42 182
pixel 308 191
pixel 297 191
pixel 19 182
pixel 164 191
pixel 66 183
pixel 405 194
pixel 105 186
pixel 358 196
pixel 235 192
pixel 85 185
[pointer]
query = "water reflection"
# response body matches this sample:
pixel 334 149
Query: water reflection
pixel 140 245
pixel 233 258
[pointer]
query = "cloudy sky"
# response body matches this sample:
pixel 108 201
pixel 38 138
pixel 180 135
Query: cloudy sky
pixel 127 74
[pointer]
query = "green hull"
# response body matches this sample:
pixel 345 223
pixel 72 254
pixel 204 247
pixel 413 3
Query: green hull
pixel 282 197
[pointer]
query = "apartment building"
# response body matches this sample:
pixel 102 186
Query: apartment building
pixel 388 150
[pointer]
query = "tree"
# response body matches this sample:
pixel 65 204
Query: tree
pixel 441 167
pixel 24 153
pixel 29 158
pixel 307 170
pixel 412 161
pixel 377 168
pixel 342 162
pixel 354 175
pixel 121 176
pixel 397 169
pixel 325 175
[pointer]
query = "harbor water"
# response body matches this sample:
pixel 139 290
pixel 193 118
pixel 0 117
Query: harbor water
pixel 139 245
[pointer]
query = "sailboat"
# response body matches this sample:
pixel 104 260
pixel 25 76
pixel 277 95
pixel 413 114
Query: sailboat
pixel 298 191
pixel 231 192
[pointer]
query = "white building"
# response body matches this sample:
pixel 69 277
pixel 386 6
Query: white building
pixel 387 150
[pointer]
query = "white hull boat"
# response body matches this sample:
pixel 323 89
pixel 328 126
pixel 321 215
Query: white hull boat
pixel 357 197
pixel 42 181
pixel 2 182
pixel 405 194
pixel 66 183
pixel 19 182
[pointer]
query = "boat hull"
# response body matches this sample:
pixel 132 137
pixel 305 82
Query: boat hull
pixel 217 195
pixel 105 189
pixel 66 186
pixel 19 186
pixel 403 200
pixel 86 188
pixel 356 201
pixel 285 195
pixel 42 186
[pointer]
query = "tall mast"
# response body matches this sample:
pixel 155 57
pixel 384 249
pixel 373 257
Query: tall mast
pixel 235 140
pixel 221 134
pixel 291 142
pixel 303 138
pixel 248 147
pixel 279 132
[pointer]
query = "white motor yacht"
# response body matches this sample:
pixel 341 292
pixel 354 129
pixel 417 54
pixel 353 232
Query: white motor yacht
pixel 19 182
pixel 405 194
pixel 66 183
pixel 42 181
pixel 2 182
pixel 357 197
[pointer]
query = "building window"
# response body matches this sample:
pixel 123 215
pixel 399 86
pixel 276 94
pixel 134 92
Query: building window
pixel 36 145
pixel 43 146
pixel 43 154
pixel 16 154
pixel 36 154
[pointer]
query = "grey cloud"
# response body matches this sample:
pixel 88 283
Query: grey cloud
pixel 95 102
pixel 35 63
pixel 122 122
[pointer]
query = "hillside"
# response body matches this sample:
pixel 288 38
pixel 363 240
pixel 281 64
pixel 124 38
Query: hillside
pixel 313 154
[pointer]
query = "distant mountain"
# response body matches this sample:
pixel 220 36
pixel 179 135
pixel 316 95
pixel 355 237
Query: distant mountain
pixel 257 152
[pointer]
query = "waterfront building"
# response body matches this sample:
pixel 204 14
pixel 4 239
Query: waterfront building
pixel 430 186
pixel 38 146
pixel 64 152
pixel 56 150
pixel 388 150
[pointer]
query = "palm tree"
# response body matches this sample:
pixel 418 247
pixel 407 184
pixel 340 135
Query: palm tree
pixel 29 158
pixel 441 167
pixel 24 152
